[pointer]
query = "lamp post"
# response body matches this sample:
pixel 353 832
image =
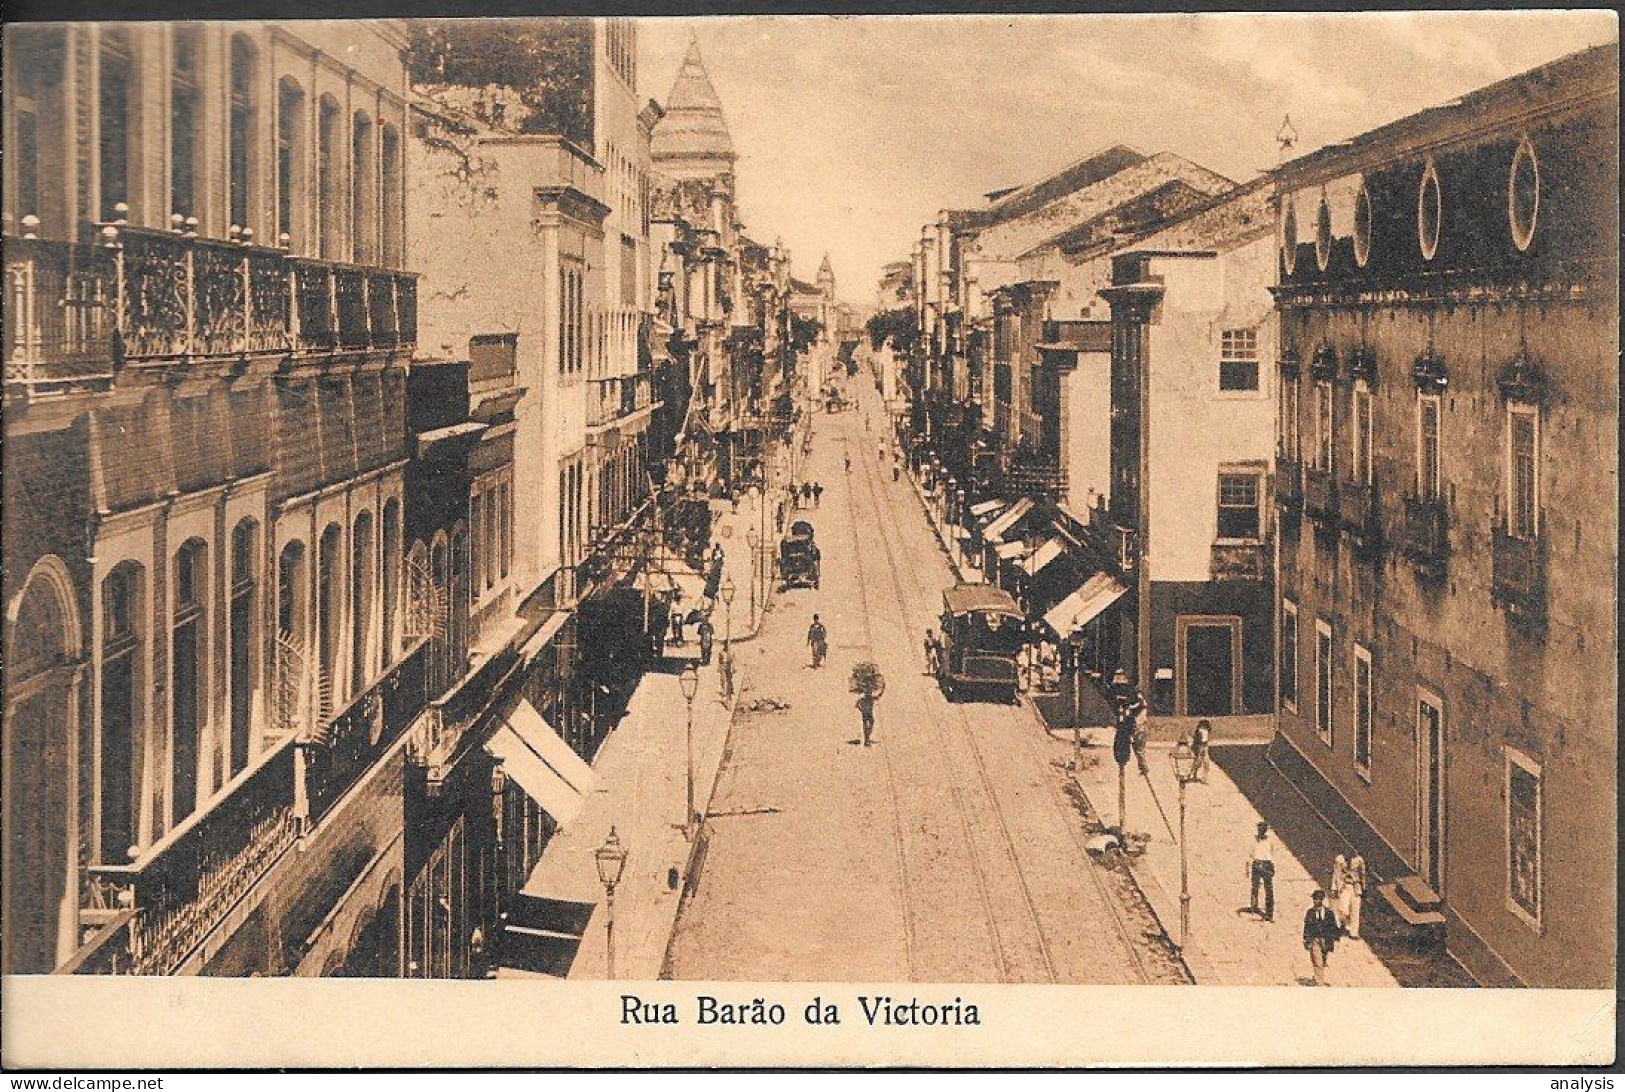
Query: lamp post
pixel 1184 762
pixel 611 859
pixel 689 680
pixel 1077 694
pixel 727 593
pixel 725 662
pixel 754 541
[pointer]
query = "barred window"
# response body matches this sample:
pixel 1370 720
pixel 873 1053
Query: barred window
pixel 1523 822
pixel 1362 710
pixel 1289 655
pixel 1323 681
pixel 1523 449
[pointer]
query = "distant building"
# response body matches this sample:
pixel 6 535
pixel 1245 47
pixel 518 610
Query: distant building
pixel 1448 544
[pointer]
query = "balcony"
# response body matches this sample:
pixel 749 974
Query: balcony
pixel 1289 483
pixel 1425 534
pixel 153 914
pixel 354 740
pixel 618 397
pixel 1319 494
pixel 1518 574
pixel 1034 475
pixel 1357 503
pixel 183 887
pixel 76 311
pixel 1239 561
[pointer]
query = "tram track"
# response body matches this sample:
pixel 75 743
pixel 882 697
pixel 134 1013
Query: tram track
pixel 1132 968
pixel 984 847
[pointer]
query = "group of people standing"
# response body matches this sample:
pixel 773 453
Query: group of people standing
pixel 807 494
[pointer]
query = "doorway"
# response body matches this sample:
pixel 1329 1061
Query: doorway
pixel 1210 665
pixel 1430 800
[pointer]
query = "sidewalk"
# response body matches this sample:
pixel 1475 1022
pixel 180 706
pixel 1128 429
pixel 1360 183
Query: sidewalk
pixel 1228 945
pixel 641 788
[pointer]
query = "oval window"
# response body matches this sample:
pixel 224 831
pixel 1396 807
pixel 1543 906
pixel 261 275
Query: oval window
pixel 1362 227
pixel 1289 235
pixel 1323 233
pixel 1523 195
pixel 1429 211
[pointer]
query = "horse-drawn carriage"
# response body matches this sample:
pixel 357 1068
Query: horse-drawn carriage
pixel 799 559
pixel 982 634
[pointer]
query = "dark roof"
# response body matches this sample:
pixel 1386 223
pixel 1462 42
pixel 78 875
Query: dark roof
pixel 964 598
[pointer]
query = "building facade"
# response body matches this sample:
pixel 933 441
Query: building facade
pixel 1192 412
pixel 1448 396
pixel 208 325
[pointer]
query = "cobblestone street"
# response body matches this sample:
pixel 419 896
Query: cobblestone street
pixel 949 851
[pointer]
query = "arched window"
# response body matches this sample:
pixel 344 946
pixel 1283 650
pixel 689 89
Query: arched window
pixel 244 150
pixel 35 129
pixel 116 98
pixel 329 621
pixel 185 118
pixel 291 201
pixel 42 642
pixel 290 637
pixel 362 572
pixel 363 190
pixel 440 578
pixel 457 623
pixel 119 783
pixel 189 629
pixel 329 180
pixel 392 576
pixel 244 609
pixel 394 210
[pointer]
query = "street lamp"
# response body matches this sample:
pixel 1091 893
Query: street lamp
pixel 727 593
pixel 689 680
pixel 611 858
pixel 754 541
pixel 1184 762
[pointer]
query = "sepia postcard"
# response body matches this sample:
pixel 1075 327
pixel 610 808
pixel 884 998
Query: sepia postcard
pixel 811 541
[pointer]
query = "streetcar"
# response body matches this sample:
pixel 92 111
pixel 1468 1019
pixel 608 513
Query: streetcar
pixel 983 630
pixel 799 559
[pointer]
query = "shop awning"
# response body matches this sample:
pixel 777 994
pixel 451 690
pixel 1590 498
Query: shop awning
pixel 983 508
pixel 1084 605
pixel 1008 551
pixel 994 531
pixel 1045 554
pixel 545 767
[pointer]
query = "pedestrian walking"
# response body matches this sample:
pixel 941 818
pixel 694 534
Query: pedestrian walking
pixel 818 641
pixel 676 625
pixel 1199 756
pixel 817 494
pixel 1319 934
pixel 725 670
pixel 707 634
pixel 866 711
pixel 1261 870
pixel 881 453
pixel 806 494
pixel 933 652
pixel 1348 891
pixel 848 459
pixel 896 470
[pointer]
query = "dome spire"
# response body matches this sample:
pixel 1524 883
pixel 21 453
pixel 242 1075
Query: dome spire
pixel 693 137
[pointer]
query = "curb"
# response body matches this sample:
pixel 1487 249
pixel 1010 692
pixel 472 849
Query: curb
pixel 702 832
